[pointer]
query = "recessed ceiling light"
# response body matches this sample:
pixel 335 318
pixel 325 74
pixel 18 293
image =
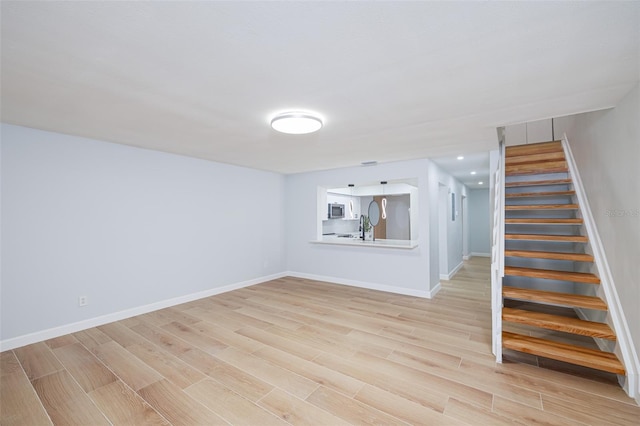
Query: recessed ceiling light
pixel 296 122
pixel 480 183
pixel 473 173
pixel 460 157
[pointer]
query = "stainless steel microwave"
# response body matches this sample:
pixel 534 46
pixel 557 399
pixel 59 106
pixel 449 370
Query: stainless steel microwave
pixel 336 211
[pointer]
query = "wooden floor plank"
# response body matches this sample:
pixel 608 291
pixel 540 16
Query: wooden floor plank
pixel 351 410
pixel 401 408
pixel 120 334
pixel 286 344
pixel 393 379
pixel 126 366
pixel 302 351
pixel 194 337
pixel 527 415
pixel 268 372
pixel 296 411
pixel 170 367
pixel 66 402
pixel 178 407
pixel 121 405
pixel 19 403
pixel 312 371
pixel 37 360
pixel 232 377
pixel 230 406
pixel 57 342
pixel 85 368
pixel 92 338
pixel 580 407
pixel 473 415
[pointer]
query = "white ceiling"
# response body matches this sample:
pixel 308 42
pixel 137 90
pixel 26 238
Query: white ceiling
pixel 461 169
pixel 394 80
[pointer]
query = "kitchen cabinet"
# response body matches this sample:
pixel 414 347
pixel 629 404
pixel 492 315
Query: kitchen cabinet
pixel 345 199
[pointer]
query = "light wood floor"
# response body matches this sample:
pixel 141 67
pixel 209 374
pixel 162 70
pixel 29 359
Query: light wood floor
pixel 295 351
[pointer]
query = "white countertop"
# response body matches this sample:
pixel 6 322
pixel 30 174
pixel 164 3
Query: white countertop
pixel 398 244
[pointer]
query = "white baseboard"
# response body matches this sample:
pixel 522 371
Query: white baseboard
pixel 51 333
pixel 473 253
pixel 450 275
pixel 466 257
pixel 367 285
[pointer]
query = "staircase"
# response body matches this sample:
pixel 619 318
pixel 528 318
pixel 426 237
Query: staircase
pixel 548 274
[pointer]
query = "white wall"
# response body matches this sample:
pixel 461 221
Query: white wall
pixel 479 222
pixel 454 227
pixel 125 227
pixel 531 132
pixel 606 147
pixel 399 270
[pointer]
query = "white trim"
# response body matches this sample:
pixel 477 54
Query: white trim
pixel 450 275
pixel 480 254
pixel 428 294
pixel 467 257
pixel 624 341
pixel 497 252
pixel 51 333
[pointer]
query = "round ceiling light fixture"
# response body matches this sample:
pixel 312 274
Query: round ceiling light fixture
pixel 296 123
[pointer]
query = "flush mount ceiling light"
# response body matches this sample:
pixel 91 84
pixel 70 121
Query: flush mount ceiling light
pixel 460 157
pixel 296 123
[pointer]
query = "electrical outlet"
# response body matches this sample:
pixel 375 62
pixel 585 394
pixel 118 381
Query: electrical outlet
pixel 83 300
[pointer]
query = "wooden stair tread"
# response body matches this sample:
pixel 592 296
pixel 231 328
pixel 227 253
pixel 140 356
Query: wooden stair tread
pixel 533 158
pixel 543 237
pixel 548 182
pixel 573 354
pixel 554 298
pixel 544 167
pixel 545 221
pixel 576 257
pixel 550 274
pixel 539 194
pixel 542 207
pixel 533 148
pixel 558 323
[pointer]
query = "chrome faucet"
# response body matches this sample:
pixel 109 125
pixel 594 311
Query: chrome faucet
pixel 362 227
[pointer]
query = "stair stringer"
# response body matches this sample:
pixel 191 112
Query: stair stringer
pixel 624 348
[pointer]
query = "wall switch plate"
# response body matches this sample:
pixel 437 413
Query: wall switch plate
pixel 83 300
